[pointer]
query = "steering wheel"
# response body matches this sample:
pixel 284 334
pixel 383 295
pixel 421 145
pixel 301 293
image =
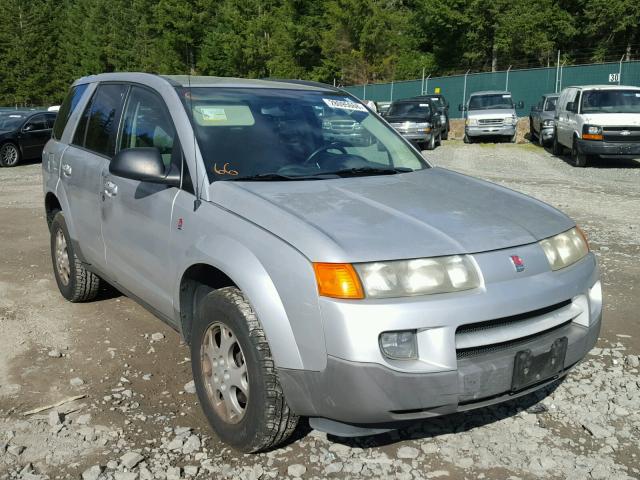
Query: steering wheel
pixel 331 146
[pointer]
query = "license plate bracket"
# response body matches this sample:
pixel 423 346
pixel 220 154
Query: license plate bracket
pixel 529 369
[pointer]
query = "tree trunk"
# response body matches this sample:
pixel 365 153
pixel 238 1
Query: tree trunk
pixel 494 58
pixel 628 53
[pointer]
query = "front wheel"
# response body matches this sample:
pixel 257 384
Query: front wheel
pixel 432 142
pixel 235 376
pixel 578 158
pixel 445 134
pixel 9 155
pixel 512 139
pixel 75 282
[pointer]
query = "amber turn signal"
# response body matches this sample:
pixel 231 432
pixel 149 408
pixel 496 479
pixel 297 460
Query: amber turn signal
pixel 338 280
pixel 591 136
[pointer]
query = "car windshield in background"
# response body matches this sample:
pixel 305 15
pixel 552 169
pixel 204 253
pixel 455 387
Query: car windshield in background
pixel 409 109
pixel 277 134
pixel 611 101
pixel 438 101
pixel 489 102
pixel 10 122
pixel 550 106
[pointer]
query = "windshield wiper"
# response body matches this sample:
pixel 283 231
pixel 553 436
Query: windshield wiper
pixel 353 172
pixel 266 177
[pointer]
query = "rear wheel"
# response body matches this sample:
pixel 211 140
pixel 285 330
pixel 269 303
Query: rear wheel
pixel 578 158
pixel 75 282
pixel 234 374
pixel 9 155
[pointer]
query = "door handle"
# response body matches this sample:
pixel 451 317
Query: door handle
pixel 110 189
pixel 66 169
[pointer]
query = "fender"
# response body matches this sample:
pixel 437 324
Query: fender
pixel 242 266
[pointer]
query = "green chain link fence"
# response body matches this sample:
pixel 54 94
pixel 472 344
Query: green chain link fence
pixel 526 85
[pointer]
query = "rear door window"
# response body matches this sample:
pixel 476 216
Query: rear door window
pixel 97 128
pixel 67 108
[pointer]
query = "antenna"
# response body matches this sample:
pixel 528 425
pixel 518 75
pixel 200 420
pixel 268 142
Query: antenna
pixel 197 202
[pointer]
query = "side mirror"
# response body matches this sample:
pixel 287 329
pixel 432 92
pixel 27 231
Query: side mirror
pixel 447 105
pixel 145 165
pixel 29 127
pixel 461 107
pixel 520 105
pixel 570 106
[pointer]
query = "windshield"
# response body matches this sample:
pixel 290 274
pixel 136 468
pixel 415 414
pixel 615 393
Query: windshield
pixel 409 109
pixel 611 101
pixel 490 101
pixel 10 122
pixel 438 101
pixel 270 134
pixel 550 106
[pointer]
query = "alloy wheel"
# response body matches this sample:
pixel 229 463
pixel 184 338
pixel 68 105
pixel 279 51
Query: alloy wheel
pixel 225 372
pixel 62 258
pixel 8 155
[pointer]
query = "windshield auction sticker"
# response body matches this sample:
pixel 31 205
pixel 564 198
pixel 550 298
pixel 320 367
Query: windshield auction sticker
pixel 345 105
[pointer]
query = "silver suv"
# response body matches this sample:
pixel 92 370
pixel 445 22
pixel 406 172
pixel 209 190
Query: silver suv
pixel 356 285
pixel 490 114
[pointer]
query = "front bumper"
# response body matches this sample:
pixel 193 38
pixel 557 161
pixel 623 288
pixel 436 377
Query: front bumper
pixel 609 149
pixel 417 137
pixel 361 386
pixel 489 131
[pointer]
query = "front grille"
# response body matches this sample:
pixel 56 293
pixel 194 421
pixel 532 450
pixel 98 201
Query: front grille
pixel 493 122
pixel 498 347
pixel 500 322
pixel 621 134
pixel 489 326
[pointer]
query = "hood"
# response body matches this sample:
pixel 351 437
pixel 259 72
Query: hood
pixel 612 119
pixel 427 213
pixel 547 115
pixel 491 113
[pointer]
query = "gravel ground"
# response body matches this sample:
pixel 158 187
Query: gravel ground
pixel 138 418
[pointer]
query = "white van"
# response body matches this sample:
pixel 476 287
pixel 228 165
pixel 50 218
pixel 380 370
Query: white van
pixel 598 121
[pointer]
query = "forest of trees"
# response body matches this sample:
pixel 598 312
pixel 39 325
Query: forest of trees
pixel 46 44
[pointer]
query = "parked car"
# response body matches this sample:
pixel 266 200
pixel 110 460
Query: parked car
pixel 418 121
pixel 598 121
pixel 490 114
pixel 443 108
pixel 541 119
pixel 23 135
pixel 357 286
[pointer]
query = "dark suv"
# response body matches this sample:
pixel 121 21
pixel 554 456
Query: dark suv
pixel 417 120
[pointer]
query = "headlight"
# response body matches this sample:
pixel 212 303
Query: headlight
pixel 472 122
pixel 548 123
pixel 591 132
pixel 565 249
pixel 422 276
pixel 510 120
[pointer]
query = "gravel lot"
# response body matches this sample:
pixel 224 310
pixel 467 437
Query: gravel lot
pixel 137 417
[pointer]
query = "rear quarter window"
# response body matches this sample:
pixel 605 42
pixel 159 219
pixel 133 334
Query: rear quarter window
pixel 66 109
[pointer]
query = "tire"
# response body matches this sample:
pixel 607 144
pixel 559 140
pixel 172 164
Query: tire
pixel 432 143
pixel 439 142
pixel 75 282
pixel 255 415
pixel 512 139
pixel 577 158
pixel 467 139
pixel 540 140
pixel 557 148
pixel 532 132
pixel 445 134
pixel 9 155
